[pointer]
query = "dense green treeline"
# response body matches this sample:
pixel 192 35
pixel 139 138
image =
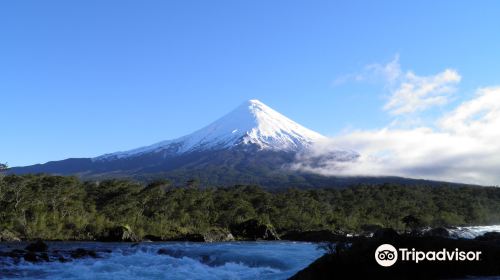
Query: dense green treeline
pixel 54 207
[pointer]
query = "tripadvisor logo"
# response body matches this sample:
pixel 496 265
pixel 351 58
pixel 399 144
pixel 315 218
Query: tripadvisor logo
pixel 387 255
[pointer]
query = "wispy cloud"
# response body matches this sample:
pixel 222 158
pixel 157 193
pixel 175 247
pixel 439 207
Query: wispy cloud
pixel 407 91
pixel 461 146
pixel 417 93
pixel 376 72
pixel 390 72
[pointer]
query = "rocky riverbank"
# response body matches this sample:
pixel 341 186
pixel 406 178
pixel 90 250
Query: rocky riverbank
pixel 253 230
pixel 39 251
pixel 355 258
pixel 250 230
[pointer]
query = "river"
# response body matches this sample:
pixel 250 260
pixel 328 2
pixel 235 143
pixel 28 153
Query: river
pixel 179 260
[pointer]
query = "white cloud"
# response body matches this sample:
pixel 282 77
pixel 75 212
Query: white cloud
pixel 390 72
pixel 386 73
pixel 479 116
pixel 408 92
pixel 417 93
pixel 463 146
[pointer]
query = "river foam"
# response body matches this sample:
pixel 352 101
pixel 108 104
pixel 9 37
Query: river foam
pixel 473 231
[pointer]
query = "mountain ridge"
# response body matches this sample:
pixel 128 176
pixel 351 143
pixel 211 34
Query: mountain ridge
pixel 253 144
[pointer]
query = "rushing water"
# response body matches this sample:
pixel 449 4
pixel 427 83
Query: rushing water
pixel 230 260
pixel 472 232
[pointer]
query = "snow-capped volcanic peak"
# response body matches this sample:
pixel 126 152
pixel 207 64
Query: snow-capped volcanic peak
pixel 253 122
pixel 272 130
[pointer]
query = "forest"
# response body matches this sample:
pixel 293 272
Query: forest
pixel 66 208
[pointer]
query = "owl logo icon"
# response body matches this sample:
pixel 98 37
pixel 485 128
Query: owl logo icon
pixel 386 255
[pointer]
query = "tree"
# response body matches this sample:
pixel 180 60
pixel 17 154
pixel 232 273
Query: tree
pixel 3 166
pixel 192 183
pixel 412 222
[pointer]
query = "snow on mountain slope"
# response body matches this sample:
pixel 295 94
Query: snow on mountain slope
pixel 253 122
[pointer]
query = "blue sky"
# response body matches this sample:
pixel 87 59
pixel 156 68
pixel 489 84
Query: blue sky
pixel 83 78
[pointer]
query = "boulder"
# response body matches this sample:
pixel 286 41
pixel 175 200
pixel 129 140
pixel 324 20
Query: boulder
pixel 34 257
pixel 254 230
pixel 386 235
pixel 190 237
pixel 418 232
pixel 31 257
pixel 213 235
pixel 63 259
pixel 38 246
pixel 313 236
pixel 489 236
pixel 15 254
pixel 83 253
pixel 371 227
pixel 218 235
pixel 152 238
pixel 438 232
pixel 164 251
pixel 120 234
pixel 44 257
pixel 175 253
pixel 8 236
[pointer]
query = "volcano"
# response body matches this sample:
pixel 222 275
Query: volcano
pixel 251 145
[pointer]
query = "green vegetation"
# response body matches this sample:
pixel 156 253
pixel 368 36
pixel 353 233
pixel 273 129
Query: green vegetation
pixel 55 207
